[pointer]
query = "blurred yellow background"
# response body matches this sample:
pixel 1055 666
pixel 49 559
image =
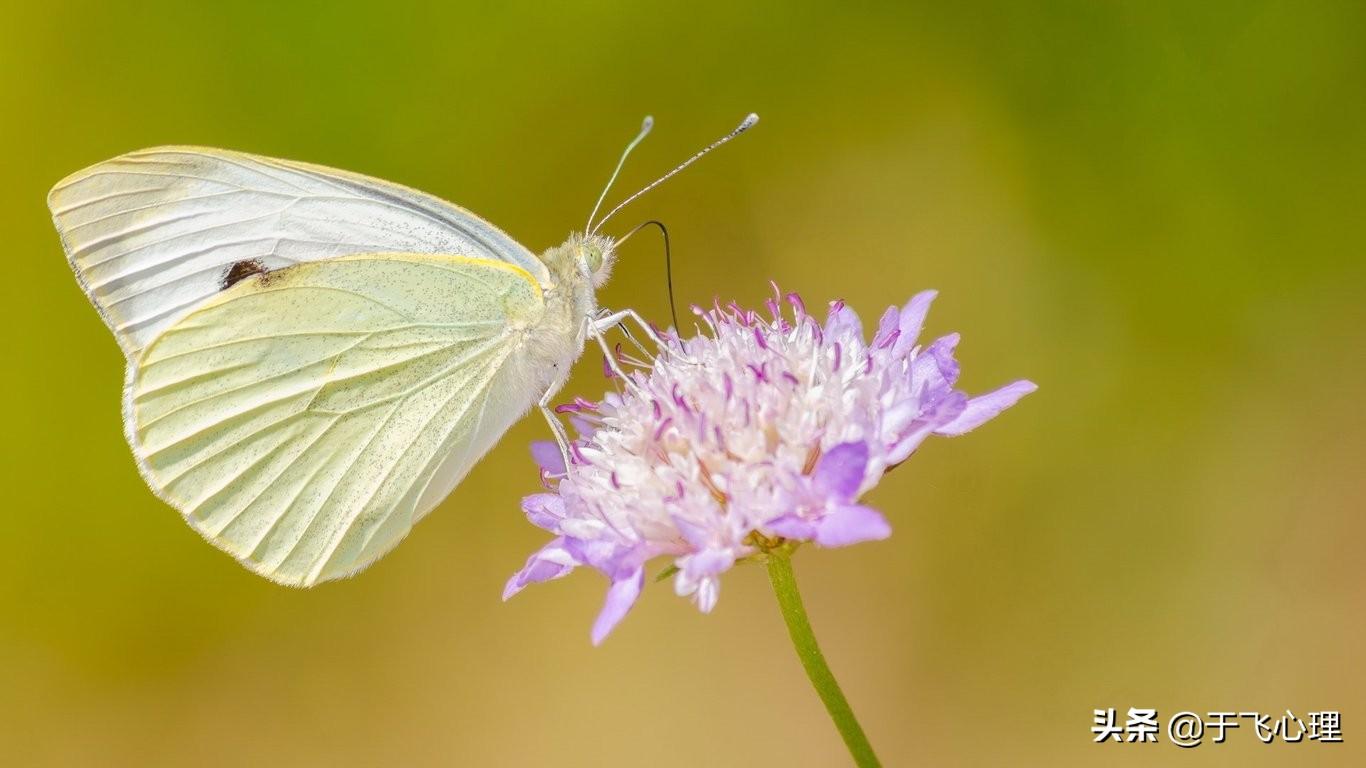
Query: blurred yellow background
pixel 1151 209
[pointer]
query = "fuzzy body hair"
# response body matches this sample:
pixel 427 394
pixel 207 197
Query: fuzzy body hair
pixel 553 341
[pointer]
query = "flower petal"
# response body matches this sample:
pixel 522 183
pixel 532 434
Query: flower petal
pixel 890 322
pixel 598 550
pixel 942 412
pixel 583 426
pixel 933 368
pixel 842 322
pixel 983 408
pixel 620 597
pixel 913 320
pixel 899 418
pixel 548 457
pixel 850 525
pixel 694 534
pixel 942 352
pixel 791 527
pixel 544 510
pixel 839 473
pixel 708 562
pixel 708 590
pixel 551 562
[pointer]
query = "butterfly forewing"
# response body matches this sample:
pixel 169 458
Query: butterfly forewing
pixel 153 233
pixel 302 418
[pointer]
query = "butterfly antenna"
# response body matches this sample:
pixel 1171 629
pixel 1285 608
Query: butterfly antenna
pixel 645 126
pixel 744 125
pixel 668 262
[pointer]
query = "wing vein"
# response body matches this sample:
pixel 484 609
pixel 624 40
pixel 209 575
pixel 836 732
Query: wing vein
pixel 257 382
pixel 341 476
pixel 326 556
pixel 163 204
pixel 195 233
pixel 478 351
pixel 288 465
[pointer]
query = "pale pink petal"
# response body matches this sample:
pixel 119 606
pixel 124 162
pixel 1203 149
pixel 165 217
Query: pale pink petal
pixel 547 456
pixel 708 590
pixel 843 321
pixel 983 408
pixel 620 597
pixel 544 510
pixel 887 325
pixel 791 527
pixel 839 473
pixel 944 411
pixel 708 562
pixel 851 525
pixel 551 562
pixel 913 320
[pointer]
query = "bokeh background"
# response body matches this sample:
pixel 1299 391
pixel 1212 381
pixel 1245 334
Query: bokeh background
pixel 1154 210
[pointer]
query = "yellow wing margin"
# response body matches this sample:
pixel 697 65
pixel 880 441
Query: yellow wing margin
pixel 304 419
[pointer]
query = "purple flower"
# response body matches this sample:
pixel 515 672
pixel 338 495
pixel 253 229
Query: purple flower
pixel 766 432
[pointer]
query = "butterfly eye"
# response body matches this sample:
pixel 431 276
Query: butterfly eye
pixel 592 258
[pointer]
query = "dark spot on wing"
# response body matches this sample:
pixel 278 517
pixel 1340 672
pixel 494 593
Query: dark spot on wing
pixel 241 270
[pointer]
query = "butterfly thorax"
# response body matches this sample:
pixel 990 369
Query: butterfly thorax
pixel 557 338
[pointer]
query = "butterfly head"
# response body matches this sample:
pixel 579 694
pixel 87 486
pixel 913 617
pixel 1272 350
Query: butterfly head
pixel 594 256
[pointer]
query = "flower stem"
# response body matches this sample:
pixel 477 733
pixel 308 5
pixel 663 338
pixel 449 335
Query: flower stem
pixel 804 640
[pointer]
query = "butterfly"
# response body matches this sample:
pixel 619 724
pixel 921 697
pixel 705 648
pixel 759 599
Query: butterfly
pixel 316 358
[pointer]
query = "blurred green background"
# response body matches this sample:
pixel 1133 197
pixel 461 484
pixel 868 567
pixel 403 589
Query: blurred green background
pixel 1151 209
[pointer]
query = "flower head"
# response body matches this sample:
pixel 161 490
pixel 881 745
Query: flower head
pixel 768 430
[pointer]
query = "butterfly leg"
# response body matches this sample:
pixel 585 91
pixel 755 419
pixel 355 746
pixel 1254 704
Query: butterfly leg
pixel 595 330
pixel 610 319
pixel 626 331
pixel 618 318
pixel 556 426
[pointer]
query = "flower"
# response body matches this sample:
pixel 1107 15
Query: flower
pixel 763 432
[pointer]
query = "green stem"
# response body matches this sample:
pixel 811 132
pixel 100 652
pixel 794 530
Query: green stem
pixel 804 640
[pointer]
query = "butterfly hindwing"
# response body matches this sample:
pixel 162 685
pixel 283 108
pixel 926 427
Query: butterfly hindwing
pixel 304 418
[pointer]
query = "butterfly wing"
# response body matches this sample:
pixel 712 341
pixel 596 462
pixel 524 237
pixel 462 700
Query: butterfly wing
pixel 153 233
pixel 304 419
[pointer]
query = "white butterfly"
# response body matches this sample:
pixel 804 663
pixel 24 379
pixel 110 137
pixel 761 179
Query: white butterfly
pixel 316 358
